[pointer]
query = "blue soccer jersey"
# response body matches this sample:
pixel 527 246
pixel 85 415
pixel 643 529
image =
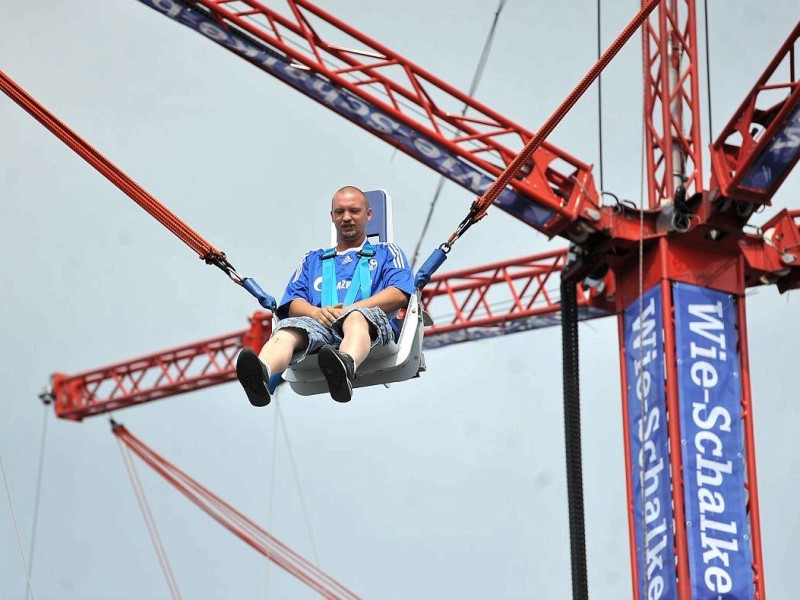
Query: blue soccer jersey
pixel 388 268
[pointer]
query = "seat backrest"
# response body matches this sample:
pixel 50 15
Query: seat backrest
pixel 380 227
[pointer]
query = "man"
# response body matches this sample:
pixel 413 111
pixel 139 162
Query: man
pixel 340 309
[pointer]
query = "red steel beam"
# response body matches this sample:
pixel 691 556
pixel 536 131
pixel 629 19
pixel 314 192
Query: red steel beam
pixel 147 378
pixel 761 143
pixel 244 528
pixel 671 101
pixel 774 255
pixel 754 511
pixel 502 297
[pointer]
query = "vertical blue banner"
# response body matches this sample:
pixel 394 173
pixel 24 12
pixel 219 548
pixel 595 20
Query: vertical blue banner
pixel 651 494
pixel 712 442
pixel 779 156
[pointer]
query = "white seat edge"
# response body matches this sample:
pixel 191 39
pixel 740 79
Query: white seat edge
pixel 385 364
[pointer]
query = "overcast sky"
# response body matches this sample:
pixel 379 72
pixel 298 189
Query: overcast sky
pixel 450 486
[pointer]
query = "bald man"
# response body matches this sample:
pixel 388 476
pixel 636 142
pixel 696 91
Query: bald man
pixel 340 310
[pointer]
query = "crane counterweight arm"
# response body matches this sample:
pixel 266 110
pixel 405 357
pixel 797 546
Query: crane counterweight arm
pixel 501 298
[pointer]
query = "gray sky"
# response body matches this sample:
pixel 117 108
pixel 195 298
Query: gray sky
pixel 451 486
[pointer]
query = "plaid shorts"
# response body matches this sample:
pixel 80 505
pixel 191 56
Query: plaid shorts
pixel 381 330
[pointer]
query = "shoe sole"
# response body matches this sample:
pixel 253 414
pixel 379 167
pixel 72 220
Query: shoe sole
pixel 251 375
pixel 335 373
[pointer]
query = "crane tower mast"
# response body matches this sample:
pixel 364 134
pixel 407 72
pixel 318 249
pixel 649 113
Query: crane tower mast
pixel 671 102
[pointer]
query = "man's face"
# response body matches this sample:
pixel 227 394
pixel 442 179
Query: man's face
pixel 350 212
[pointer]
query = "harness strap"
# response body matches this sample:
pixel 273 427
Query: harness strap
pixel 361 278
pixel 330 296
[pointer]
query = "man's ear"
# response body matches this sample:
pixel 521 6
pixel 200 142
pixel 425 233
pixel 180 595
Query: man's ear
pixel 369 213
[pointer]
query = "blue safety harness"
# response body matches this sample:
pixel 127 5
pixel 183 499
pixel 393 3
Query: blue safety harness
pixel 361 277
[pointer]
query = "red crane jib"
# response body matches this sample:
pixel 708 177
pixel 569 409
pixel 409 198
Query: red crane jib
pixel 420 114
pixel 397 101
pixel 158 375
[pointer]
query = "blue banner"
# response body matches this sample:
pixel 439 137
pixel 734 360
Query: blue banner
pixel 712 443
pixel 651 494
pixel 779 156
pixel 357 110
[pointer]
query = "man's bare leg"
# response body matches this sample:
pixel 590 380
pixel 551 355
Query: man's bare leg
pixel 339 366
pixel 356 341
pixel 254 371
pixel 279 349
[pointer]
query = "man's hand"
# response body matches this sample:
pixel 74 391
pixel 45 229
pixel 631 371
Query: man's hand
pixel 327 315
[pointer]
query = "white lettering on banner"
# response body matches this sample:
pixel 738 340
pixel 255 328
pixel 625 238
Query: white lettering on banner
pixel 651 463
pixel 791 138
pixel 167 7
pixel 718 580
pixel 215 33
pixel 718 539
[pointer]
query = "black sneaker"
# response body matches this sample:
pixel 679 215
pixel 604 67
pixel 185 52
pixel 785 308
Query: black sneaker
pixel 339 371
pixel 253 376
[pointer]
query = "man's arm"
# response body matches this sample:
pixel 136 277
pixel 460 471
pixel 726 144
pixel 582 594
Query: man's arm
pixel 389 300
pixel 302 308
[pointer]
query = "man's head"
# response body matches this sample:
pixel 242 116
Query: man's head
pixel 350 212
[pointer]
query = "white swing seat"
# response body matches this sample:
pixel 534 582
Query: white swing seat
pixel 396 361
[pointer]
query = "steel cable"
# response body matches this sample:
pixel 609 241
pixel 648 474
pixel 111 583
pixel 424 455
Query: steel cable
pixel 16 525
pixel 482 204
pixel 242 526
pixel 37 497
pixel 110 171
pixel 149 521
pixel 476 78
pixel 572 437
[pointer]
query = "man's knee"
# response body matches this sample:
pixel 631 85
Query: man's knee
pixel 355 320
pixel 294 336
pixel 355 317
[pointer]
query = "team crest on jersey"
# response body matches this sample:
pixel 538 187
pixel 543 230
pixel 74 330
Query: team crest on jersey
pixel 373 264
